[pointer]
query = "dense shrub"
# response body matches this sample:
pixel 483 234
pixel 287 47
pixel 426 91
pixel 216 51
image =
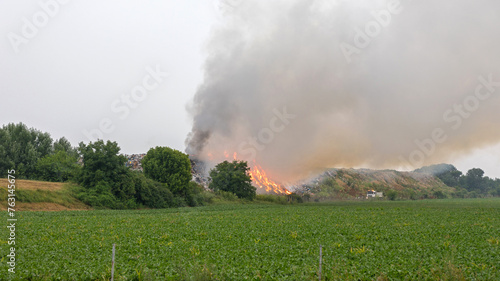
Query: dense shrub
pixel 273 198
pixel 226 195
pixel 232 177
pixel 106 182
pixel 392 195
pixel 168 166
pixel 58 167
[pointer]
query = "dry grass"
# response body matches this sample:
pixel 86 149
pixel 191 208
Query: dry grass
pixel 41 196
pixel 47 206
pixel 33 185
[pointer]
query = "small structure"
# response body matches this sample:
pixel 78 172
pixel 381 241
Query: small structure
pixel 373 194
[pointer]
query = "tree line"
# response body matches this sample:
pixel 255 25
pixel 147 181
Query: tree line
pixel 102 177
pixel 103 180
pixel 472 184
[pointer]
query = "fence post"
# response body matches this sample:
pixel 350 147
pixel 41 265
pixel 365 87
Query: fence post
pixel 113 263
pixel 320 260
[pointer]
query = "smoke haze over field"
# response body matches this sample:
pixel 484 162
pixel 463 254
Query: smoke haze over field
pixel 303 85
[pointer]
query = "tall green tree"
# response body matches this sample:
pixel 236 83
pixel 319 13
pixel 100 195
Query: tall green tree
pixel 475 180
pixel 6 161
pixel 103 167
pixel 450 177
pixel 63 144
pixel 107 182
pixel 21 148
pixel 233 177
pixel 57 167
pixel 168 166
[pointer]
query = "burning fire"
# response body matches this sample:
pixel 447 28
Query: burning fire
pixel 259 178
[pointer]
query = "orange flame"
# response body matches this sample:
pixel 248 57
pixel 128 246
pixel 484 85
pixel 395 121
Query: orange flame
pixel 259 178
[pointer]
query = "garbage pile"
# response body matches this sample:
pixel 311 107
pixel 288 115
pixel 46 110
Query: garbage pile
pixel 199 170
pixel 134 161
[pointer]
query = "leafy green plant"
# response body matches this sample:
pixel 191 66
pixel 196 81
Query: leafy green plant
pixel 232 177
pixel 369 240
pixel 392 195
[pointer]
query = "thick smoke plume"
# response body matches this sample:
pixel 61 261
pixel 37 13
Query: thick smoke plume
pixel 300 85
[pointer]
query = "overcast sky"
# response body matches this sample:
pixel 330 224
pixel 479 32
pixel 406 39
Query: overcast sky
pixel 66 78
pixel 118 70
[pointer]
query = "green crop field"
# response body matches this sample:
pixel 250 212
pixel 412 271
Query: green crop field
pixel 411 240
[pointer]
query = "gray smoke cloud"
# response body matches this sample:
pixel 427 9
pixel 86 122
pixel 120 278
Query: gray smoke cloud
pixel 299 86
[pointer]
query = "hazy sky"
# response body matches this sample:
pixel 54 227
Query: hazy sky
pixel 67 78
pixel 121 70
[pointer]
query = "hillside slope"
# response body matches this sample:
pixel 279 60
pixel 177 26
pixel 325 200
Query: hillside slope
pixel 40 196
pixel 345 183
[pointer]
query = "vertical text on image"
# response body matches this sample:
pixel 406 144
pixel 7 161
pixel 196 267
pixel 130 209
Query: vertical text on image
pixel 11 221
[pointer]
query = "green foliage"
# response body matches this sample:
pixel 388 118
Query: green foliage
pixel 104 177
pixel 63 144
pixel 196 195
pixel 33 155
pixel 233 177
pixel 63 196
pixel 450 177
pixel 371 240
pixel 101 163
pixel 295 198
pixel 473 184
pixel 150 193
pixel 58 167
pixel 20 149
pixel 439 194
pixel 107 183
pixel 99 196
pixel 475 180
pixel 392 195
pixel 168 166
pixel 226 195
pixel 273 198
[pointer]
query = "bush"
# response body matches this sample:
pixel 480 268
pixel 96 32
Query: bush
pixel 59 167
pixel 294 198
pixel 439 194
pixel 232 177
pixel 392 195
pixel 107 183
pixel 152 194
pixel 273 198
pixel 206 197
pixel 179 202
pixel 168 166
pixel 194 194
pixel 226 195
pixel 98 197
